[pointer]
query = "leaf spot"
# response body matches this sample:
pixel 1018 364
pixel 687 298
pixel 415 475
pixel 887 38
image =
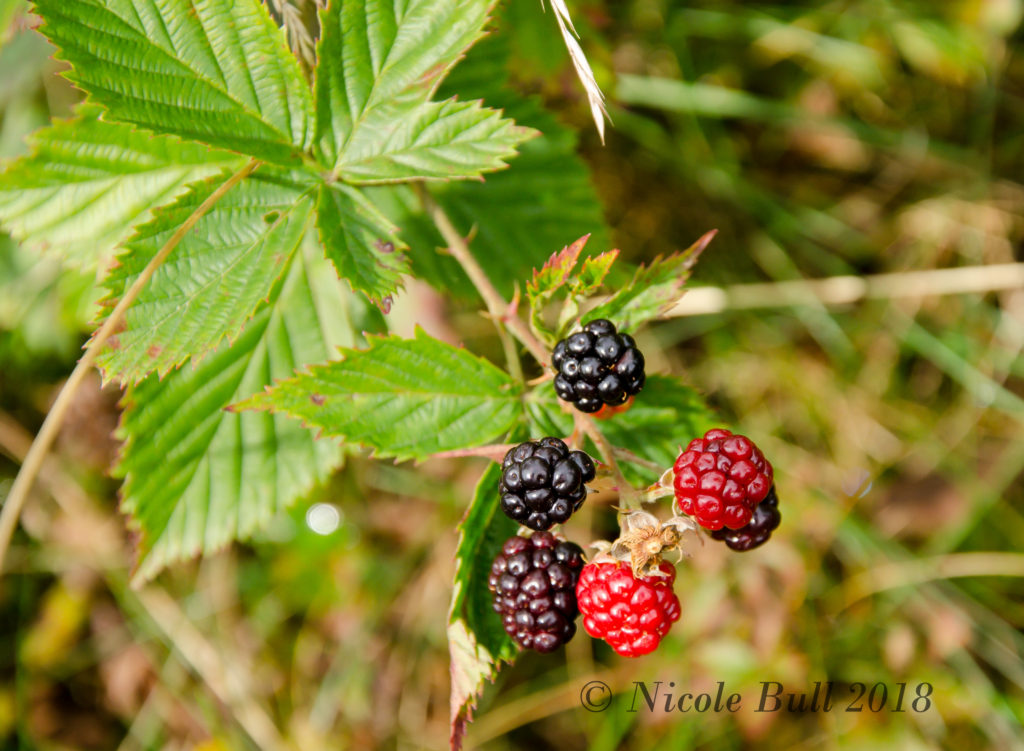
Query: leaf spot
pixel 318 399
pixel 271 216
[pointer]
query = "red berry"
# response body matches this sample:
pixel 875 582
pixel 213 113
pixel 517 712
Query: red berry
pixel 720 479
pixel 631 614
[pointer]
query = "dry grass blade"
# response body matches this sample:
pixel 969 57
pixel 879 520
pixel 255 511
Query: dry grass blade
pixel 915 572
pixel 842 290
pixel 595 97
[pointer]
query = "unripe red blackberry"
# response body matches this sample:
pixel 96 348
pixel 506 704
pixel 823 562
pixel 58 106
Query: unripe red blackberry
pixel 533 580
pixel 720 479
pixel 764 521
pixel 543 483
pixel 597 366
pixel 631 613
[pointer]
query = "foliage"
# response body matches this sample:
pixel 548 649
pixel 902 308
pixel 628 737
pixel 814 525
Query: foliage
pixel 219 76
pixel 820 139
pixel 220 343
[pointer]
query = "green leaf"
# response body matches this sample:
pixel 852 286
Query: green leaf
pixel 87 182
pixel 405 398
pixel 653 290
pixel 216 71
pixel 547 281
pixel 434 140
pixel 555 272
pixel 587 281
pixel 376 54
pixel 477 640
pixel 361 242
pixel 517 217
pixel 592 273
pixel 665 415
pixel 216 277
pixel 197 476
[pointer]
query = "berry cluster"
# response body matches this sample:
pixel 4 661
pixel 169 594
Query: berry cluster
pixel 543 483
pixel 534 584
pixel 597 366
pixel 720 479
pixel 540 583
pixel 631 613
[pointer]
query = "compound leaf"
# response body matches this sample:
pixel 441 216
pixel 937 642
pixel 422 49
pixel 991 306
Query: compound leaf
pixel 216 71
pixel 405 398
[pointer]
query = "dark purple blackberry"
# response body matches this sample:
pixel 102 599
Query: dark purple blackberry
pixel 542 482
pixel 764 521
pixel 534 584
pixel 597 366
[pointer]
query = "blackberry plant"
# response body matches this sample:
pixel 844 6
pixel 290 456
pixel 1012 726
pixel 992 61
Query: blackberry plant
pixel 253 211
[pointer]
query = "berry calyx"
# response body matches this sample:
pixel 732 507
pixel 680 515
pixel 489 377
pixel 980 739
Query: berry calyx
pixel 720 479
pixel 543 482
pixel 764 521
pixel 533 580
pixel 631 613
pixel 597 366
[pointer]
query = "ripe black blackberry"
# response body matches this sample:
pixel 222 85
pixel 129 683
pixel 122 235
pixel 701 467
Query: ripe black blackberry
pixel 542 482
pixel 534 584
pixel 597 366
pixel 764 521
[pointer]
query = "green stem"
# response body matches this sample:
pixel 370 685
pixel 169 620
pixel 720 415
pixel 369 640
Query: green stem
pixel 496 305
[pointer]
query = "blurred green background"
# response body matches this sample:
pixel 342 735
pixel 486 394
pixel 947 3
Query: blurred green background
pixel 820 139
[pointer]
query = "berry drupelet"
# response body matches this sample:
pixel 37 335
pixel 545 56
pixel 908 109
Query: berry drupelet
pixel 764 521
pixel 543 483
pixel 720 479
pixel 597 366
pixel 534 584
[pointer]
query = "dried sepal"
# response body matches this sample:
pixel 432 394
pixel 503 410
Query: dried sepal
pixel 645 539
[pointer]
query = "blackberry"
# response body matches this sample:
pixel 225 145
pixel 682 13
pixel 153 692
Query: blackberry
pixel 542 482
pixel 766 518
pixel 720 479
pixel 534 584
pixel 597 366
